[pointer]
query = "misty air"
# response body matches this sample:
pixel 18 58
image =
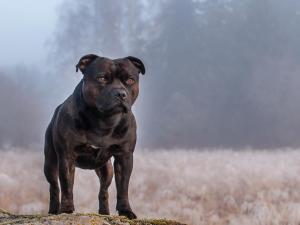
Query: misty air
pixel 195 101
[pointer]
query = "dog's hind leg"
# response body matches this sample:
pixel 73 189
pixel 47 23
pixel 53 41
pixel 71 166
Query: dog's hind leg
pixel 105 175
pixel 51 173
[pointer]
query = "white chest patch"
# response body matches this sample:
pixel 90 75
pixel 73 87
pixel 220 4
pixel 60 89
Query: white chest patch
pixel 94 147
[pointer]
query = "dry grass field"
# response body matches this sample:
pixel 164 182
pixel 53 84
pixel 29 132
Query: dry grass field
pixel 195 187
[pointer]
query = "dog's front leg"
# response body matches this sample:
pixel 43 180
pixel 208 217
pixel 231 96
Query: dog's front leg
pixel 66 179
pixel 123 167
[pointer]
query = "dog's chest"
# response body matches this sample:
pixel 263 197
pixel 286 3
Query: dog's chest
pixel 98 145
pixel 90 156
pixel 106 143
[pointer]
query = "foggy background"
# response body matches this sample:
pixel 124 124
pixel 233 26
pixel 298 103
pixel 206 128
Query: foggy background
pixel 219 73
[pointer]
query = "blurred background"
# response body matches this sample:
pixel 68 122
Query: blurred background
pixel 219 73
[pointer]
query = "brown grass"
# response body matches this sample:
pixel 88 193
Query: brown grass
pixel 207 187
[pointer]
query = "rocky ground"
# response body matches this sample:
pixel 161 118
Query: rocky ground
pixel 78 219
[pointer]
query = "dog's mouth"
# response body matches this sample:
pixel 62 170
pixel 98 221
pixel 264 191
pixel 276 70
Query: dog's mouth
pixel 117 107
pixel 122 107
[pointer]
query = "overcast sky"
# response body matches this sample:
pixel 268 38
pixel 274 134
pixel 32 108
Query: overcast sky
pixel 26 26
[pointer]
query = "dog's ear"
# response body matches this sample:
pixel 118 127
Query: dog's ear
pixel 137 63
pixel 84 61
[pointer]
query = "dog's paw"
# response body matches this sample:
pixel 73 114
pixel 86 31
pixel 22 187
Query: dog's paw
pixel 129 214
pixel 103 211
pixel 54 207
pixel 53 211
pixel 66 209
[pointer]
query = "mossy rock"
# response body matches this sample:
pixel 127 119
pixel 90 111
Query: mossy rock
pixel 78 219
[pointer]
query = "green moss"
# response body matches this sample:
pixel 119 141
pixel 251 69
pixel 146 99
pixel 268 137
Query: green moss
pixel 79 218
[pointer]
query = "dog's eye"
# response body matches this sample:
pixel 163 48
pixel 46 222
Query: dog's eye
pixel 102 79
pixel 130 81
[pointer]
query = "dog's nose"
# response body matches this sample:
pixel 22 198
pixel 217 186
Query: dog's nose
pixel 120 94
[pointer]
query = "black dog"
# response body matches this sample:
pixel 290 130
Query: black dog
pixel 92 125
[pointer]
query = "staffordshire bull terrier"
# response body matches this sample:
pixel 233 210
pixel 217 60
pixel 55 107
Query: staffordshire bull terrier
pixel 92 125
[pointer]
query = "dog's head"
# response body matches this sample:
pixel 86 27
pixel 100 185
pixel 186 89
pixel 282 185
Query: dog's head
pixel 110 86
